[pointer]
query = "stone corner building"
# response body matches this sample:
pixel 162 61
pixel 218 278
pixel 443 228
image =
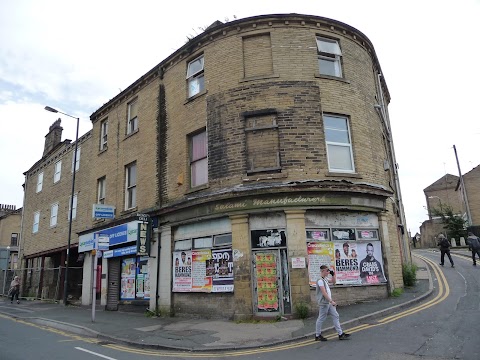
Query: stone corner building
pixel 255 153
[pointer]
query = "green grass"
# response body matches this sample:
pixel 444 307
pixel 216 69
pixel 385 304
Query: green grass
pixel 397 292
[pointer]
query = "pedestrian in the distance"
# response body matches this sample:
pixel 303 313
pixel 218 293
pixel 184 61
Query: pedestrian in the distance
pixel 326 305
pixel 14 289
pixel 444 249
pixel 474 246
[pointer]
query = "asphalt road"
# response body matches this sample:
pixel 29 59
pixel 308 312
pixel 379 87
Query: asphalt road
pixel 444 326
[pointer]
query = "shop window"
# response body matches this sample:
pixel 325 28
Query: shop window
pixel 343 234
pixel 135 279
pixel 318 235
pixel 202 243
pixel 367 234
pixel 205 267
pixel 195 76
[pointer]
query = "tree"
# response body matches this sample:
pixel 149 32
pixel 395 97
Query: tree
pixel 454 224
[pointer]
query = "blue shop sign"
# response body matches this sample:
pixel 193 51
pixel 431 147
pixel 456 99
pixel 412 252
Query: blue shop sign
pixel 120 234
pixel 129 250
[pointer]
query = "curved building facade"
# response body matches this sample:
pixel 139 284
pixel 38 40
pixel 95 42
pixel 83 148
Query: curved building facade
pixel 255 153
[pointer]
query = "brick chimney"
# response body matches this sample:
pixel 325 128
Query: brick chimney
pixel 54 137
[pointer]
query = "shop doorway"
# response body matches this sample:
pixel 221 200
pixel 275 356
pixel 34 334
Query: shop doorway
pixel 271 283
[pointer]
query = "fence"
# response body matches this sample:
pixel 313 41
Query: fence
pixel 46 284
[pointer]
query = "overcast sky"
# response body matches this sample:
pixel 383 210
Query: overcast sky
pixel 75 56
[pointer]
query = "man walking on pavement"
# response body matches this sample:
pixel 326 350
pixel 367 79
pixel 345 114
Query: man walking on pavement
pixel 326 305
pixel 444 249
pixel 474 246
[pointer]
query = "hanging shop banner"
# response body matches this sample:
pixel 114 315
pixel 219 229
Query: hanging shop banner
pixel 127 283
pixel 267 288
pixel 143 238
pixel 371 263
pixel 222 271
pixel 319 253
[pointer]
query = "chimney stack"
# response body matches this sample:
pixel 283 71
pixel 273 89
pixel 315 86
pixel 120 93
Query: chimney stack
pixel 54 137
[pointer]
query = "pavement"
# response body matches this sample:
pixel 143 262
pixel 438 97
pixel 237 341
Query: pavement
pixel 195 334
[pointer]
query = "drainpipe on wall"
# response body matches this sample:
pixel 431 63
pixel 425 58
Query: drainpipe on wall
pixel 398 195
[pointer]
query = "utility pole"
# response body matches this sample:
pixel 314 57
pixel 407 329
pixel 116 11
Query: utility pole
pixel 464 191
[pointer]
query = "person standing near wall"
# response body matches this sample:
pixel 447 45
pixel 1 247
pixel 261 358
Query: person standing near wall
pixel 326 305
pixel 14 290
pixel 444 249
pixel 474 246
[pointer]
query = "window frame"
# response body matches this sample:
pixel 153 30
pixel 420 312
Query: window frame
pixel 330 56
pixel 101 189
pixel 330 144
pixel 77 163
pixel 39 182
pixel 75 203
pixel 130 188
pixel 14 239
pixel 57 171
pixel 194 162
pixel 132 122
pixel 36 222
pixel 54 214
pixel 197 76
pixel 103 134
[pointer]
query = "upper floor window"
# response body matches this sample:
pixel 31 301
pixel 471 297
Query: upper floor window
pixel 53 215
pixel 339 144
pixel 74 208
pixel 329 57
pixel 195 77
pixel 103 134
pixel 198 159
pixel 132 124
pixel 101 190
pixel 57 172
pixel 77 161
pixel 39 182
pixel 130 186
pixel 14 239
pixel 36 221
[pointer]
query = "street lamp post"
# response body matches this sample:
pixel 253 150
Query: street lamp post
pixel 48 108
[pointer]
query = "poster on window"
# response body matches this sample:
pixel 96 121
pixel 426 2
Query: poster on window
pixel 127 281
pixel 221 270
pixel 182 271
pixel 371 263
pixel 346 262
pixel 319 253
pixel 200 281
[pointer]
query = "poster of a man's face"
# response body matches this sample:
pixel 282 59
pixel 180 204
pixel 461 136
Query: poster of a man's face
pixel 371 270
pixel 183 258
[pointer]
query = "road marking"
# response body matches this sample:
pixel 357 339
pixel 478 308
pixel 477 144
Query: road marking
pixel 94 353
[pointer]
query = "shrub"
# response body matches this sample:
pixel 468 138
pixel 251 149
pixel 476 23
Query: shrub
pixel 397 292
pixel 302 310
pixel 409 274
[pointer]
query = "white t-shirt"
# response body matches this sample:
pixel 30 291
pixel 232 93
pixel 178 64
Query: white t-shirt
pixel 322 283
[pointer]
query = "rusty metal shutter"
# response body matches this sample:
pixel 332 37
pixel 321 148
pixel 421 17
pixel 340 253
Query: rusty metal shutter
pixel 113 290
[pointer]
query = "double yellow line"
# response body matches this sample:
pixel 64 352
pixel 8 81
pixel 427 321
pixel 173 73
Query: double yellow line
pixel 443 292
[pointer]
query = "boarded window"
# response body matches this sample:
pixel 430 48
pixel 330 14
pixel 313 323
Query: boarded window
pixel 257 55
pixel 262 143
